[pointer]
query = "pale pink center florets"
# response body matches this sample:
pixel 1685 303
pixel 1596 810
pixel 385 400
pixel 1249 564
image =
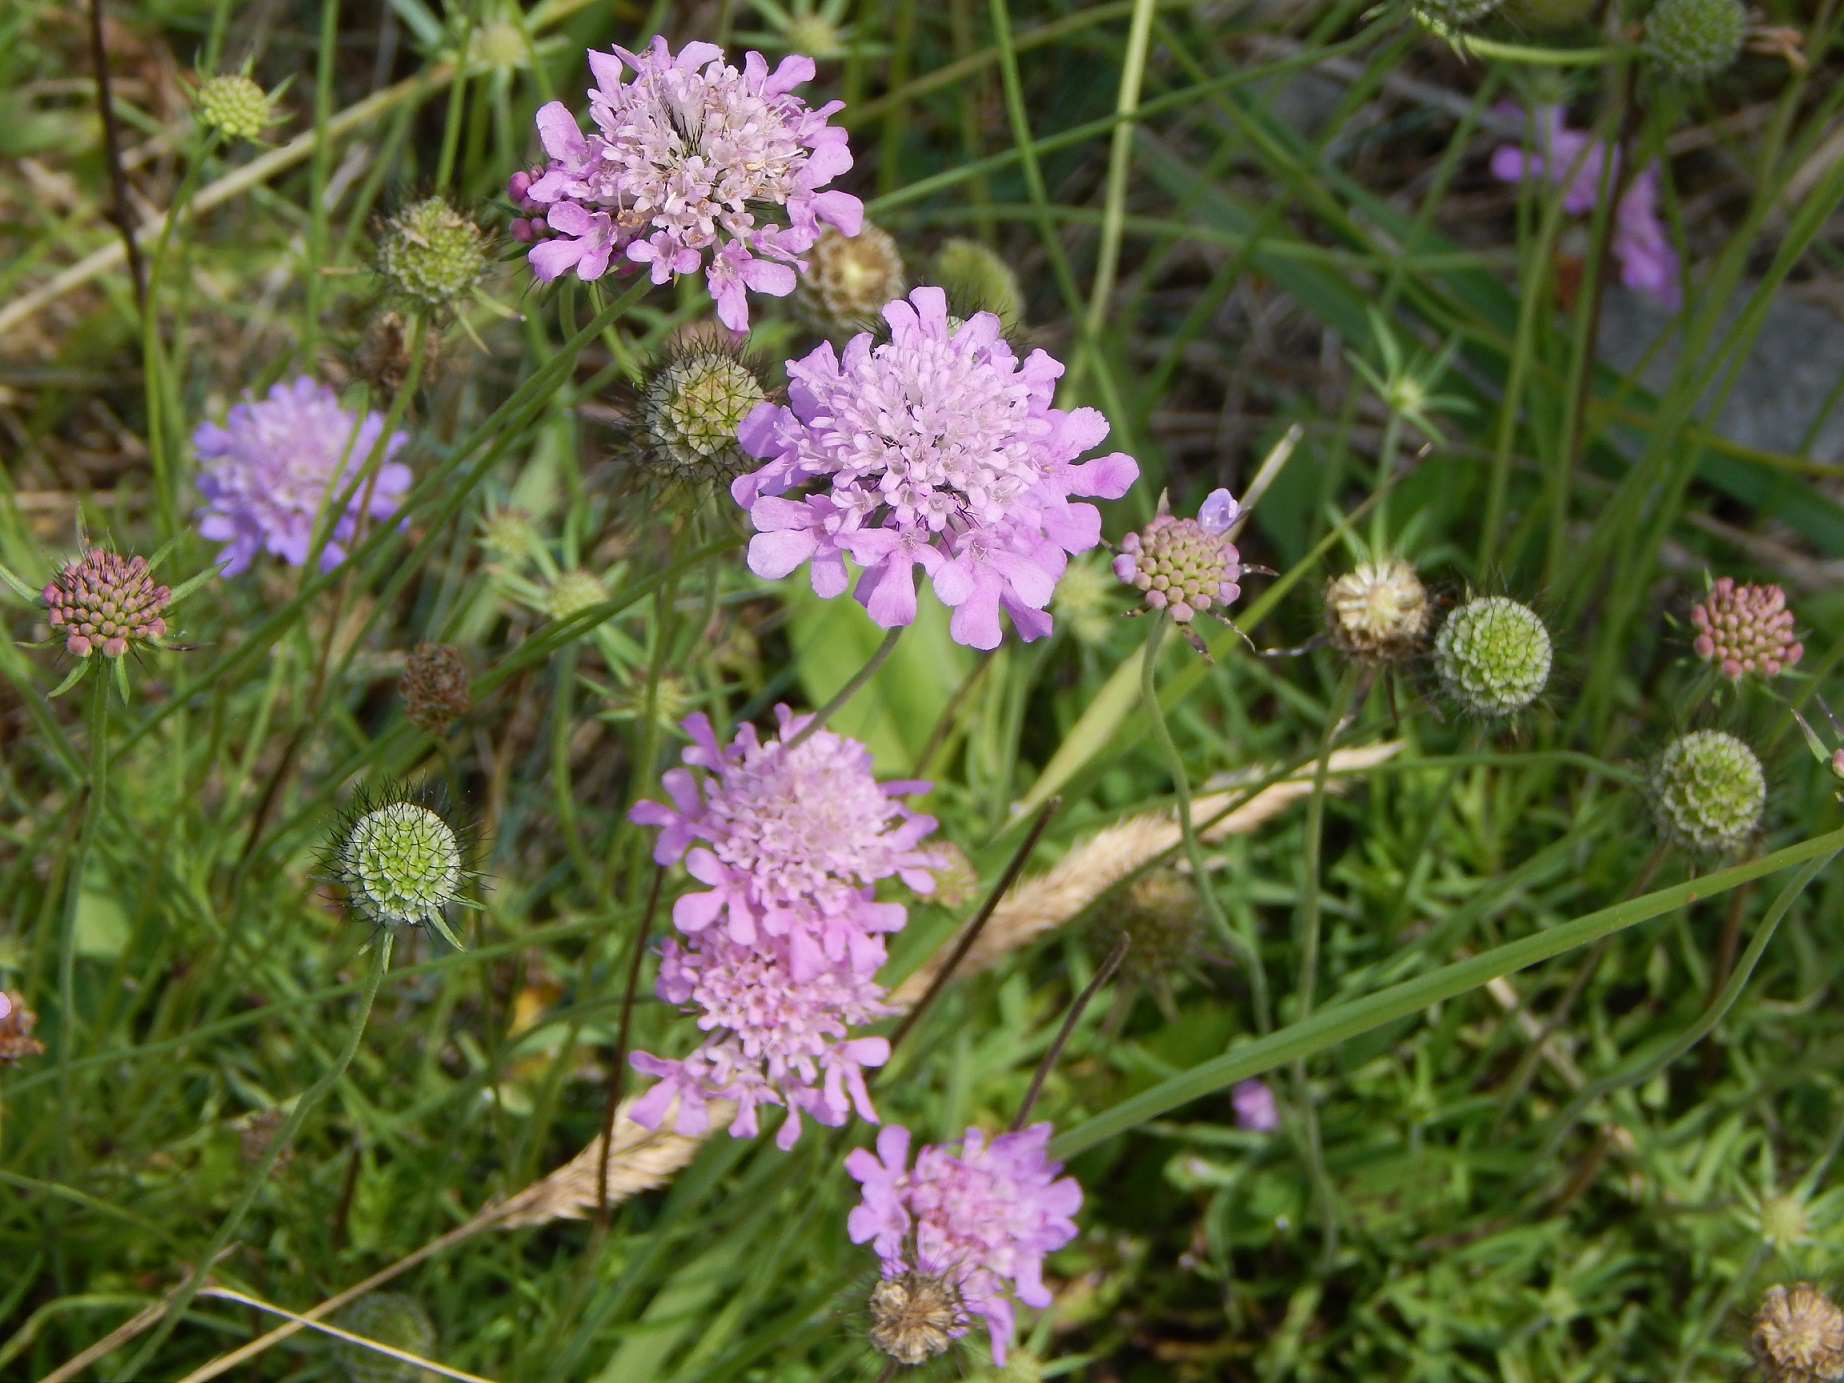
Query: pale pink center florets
pixel 1746 629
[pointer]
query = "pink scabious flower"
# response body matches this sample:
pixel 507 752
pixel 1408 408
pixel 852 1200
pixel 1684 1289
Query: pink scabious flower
pixel 980 1216
pixel 935 449
pixel 687 160
pixel 1571 160
pixel 1256 1109
pixel 275 461
pixel 1745 629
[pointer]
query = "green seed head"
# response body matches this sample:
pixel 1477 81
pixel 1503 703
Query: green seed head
pixel 1696 39
pixel 693 405
pixel 1708 791
pixel 500 45
pixel 401 865
pixel 432 254
pixel 1493 655
pixel 1457 12
pixel 1163 915
pixel 573 590
pixel 391 1319
pixel 1783 1221
pixel 850 277
pixel 1085 600
pixel 507 533
pixel 235 106
pixel 978 280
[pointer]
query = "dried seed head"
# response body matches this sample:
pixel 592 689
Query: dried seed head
pixel 431 254
pixel 16 1024
pixel 1185 565
pixel 104 602
pixel 573 590
pixel 383 356
pixel 850 277
pixel 392 1319
pixel 978 280
pixel 1708 791
pixel 255 1131
pixel 1379 612
pixel 1745 629
pixel 1493 655
pixel 693 405
pixel 1696 39
pixel 401 865
pixel 434 687
pixel 1799 1336
pixel 916 1316
pixel 234 105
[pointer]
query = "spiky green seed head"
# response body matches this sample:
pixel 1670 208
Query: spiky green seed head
pixel 392 1319
pixel 1085 600
pixel 1696 39
pixel 978 280
pixel 401 865
pixel 432 254
pixel 694 404
pixel 816 36
pixel 1378 613
pixel 1493 655
pixel 573 590
pixel 234 105
pixel 1708 791
pixel 500 45
pixel 849 278
pixel 1163 915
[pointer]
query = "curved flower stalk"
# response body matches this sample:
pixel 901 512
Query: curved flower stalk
pixel 688 161
pixel 781 947
pixel 974 1222
pixel 937 449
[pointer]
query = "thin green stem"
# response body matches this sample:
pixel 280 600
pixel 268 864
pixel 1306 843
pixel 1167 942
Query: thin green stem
pixel 849 690
pixel 1246 944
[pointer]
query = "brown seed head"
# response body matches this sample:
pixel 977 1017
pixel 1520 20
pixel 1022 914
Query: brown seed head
pixel 16 1022
pixel 850 278
pixel 915 1316
pixel 1379 612
pixel 1799 1336
pixel 434 687
pixel 104 602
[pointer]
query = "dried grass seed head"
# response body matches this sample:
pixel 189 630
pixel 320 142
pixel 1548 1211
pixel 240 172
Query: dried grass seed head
pixel 1493 655
pixel 1799 1336
pixel 1708 791
pixel 1379 613
pixel 383 355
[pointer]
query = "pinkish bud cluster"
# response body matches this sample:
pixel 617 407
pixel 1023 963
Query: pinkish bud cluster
pixel 1185 565
pixel 1746 629
pixel 105 602
pixel 530 224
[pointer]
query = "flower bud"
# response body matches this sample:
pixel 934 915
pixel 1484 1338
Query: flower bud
pixel 104 602
pixel 400 864
pixel 694 403
pixel 431 254
pixel 1799 1336
pixel 978 280
pixel 1708 791
pixel 392 1319
pixel 234 105
pixel 1745 629
pixel 1696 39
pixel 1379 612
pixel 849 278
pixel 1783 1221
pixel 434 687
pixel 499 44
pixel 1493 655
pixel 1087 601
pixel 507 533
pixel 1185 565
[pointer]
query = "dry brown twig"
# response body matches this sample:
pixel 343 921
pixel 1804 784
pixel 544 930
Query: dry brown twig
pixel 643 1158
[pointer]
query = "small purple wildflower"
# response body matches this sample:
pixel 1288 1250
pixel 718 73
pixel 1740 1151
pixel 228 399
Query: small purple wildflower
pixel 1569 159
pixel 980 1216
pixel 795 842
pixel 686 158
pixel 103 602
pixel 1185 565
pixel 1256 1110
pixel 270 467
pixel 1745 629
pixel 935 449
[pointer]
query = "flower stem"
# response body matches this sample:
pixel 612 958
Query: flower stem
pixel 1181 789
pixel 849 690
pixel 1048 1064
pixel 617 1070
pixel 136 1367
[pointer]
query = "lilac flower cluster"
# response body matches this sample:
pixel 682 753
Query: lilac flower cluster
pixel 269 469
pixel 687 158
pixel 779 953
pixel 1571 160
pixel 979 1217
pixel 935 449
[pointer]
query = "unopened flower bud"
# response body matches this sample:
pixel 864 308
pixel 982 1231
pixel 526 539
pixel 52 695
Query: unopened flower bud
pixel 499 44
pixel 1708 791
pixel 1799 1336
pixel 1493 655
pixel 103 602
pixel 234 105
pixel 1379 612
pixel 573 590
pixel 507 533
pixel 849 278
pixel 434 687
pixel 401 865
pixel 978 280
pixel 392 1319
pixel 1745 629
pixel 1696 39
pixel 1087 600
pixel 431 254
pixel 693 405
pixel 1185 565
pixel 1783 1221
pixel 916 1316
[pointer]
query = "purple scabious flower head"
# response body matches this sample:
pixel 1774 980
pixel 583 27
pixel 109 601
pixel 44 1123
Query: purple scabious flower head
pixel 1256 1109
pixel 776 1039
pixel 936 449
pixel 794 842
pixel 981 1216
pixel 1572 161
pixel 687 159
pixel 104 602
pixel 1185 565
pixel 273 463
pixel 1745 629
